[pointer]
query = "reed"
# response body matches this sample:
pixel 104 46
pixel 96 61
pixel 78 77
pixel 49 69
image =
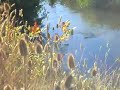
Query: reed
pixel 71 61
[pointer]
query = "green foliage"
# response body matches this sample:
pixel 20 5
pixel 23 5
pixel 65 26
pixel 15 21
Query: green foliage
pixel 52 2
pixel 85 3
pixel 30 8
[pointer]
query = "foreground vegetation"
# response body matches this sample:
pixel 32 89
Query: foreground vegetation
pixel 27 62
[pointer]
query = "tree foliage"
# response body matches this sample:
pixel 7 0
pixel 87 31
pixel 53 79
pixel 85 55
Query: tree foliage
pixel 30 8
pixel 104 4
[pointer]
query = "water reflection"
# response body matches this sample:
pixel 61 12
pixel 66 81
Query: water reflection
pixel 52 2
pixel 102 17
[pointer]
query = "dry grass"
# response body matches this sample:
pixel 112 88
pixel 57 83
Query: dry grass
pixel 31 65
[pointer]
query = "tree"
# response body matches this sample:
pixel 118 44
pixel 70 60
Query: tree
pixel 30 8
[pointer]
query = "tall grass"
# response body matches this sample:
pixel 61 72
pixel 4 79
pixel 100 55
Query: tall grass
pixel 27 63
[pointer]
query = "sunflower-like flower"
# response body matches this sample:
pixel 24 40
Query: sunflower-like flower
pixel 35 29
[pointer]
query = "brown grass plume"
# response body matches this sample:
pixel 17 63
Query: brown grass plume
pixel 39 49
pixel 23 48
pixel 71 61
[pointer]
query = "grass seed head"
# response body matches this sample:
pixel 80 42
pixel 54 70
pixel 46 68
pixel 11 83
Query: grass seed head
pixel 40 39
pixel 56 37
pixel 47 48
pixel 7 87
pixel 94 72
pixel 48 36
pixel 55 63
pixel 39 49
pixel 23 48
pixel 48 26
pixel 68 81
pixel 7 7
pixel 71 62
pixel 59 57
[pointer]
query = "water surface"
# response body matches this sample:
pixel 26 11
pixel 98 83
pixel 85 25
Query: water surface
pixel 98 31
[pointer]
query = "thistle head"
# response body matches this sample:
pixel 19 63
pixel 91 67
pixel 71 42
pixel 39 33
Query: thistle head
pixel 23 48
pixel 94 72
pixel 48 36
pixel 7 7
pixel 71 61
pixel 68 81
pixel 39 49
pixel 54 63
pixel 56 37
pixel 47 48
pixel 59 57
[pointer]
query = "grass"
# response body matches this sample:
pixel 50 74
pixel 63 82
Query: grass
pixel 30 64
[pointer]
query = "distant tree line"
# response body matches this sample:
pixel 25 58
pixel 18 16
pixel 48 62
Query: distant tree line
pixel 104 4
